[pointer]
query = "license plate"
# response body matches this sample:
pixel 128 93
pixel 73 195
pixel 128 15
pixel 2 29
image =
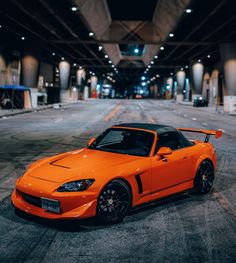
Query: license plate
pixel 50 205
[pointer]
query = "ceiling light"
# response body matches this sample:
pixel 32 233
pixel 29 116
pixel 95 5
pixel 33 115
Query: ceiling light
pixel 188 11
pixel 112 66
pixel 182 69
pixel 149 66
pixel 162 48
pixel 106 56
pixel 147 69
pixel 62 58
pixel 199 60
pixel 136 50
pixel 156 57
pixel 171 35
pixel 157 75
pixel 99 48
pixel 209 56
pixel 171 73
pixel 91 34
pixel 152 62
pixel 80 67
pixel 74 8
pixel 53 53
pixel 74 64
pixel 22 38
pixel 186 66
pixel 90 72
pixel 143 78
pixel 110 61
pixel 0 26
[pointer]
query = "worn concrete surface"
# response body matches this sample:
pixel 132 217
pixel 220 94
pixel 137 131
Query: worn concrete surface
pixel 185 229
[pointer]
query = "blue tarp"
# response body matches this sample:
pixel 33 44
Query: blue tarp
pixel 15 87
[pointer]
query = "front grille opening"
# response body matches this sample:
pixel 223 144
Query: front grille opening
pixel 33 200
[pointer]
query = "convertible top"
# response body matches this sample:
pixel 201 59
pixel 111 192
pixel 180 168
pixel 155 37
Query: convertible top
pixel 147 126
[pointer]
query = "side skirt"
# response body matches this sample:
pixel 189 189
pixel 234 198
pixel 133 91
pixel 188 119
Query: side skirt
pixel 184 186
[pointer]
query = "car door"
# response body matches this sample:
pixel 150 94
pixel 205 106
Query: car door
pixel 172 169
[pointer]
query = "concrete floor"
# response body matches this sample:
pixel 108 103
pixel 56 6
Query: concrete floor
pixel 185 229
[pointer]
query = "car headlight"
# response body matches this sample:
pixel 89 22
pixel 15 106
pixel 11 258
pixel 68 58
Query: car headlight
pixel 76 186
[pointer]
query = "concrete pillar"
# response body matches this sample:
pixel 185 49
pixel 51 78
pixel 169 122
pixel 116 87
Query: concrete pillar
pixel 80 75
pixel 214 86
pixel 169 87
pixel 64 71
pixel 207 87
pixel 94 82
pixel 228 55
pixel 30 66
pixel 3 68
pixel 197 70
pixel 180 76
pixel 155 91
pixel 29 73
pixel 187 90
pixel 13 72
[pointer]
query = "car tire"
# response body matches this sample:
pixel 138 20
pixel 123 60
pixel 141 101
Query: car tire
pixel 203 181
pixel 113 202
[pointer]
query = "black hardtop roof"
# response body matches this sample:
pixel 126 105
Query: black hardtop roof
pixel 159 128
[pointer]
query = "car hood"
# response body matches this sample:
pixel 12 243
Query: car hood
pixel 82 164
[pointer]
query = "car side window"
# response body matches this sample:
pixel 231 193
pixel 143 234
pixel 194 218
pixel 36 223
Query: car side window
pixel 174 140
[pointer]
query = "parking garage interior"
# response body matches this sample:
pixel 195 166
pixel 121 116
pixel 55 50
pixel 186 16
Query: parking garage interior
pixel 70 69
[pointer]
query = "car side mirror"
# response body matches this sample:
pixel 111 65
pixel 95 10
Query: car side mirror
pixel 164 151
pixel 91 140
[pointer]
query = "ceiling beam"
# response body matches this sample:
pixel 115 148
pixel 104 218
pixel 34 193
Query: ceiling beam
pixel 194 30
pixel 140 42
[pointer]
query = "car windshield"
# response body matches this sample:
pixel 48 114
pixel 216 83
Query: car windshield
pixel 124 141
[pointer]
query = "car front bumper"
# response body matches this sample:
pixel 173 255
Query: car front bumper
pixel 85 208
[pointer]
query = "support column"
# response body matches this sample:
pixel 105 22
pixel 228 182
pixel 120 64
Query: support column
pixel 214 84
pixel 94 82
pixel 207 88
pixel 197 71
pixel 80 76
pixel 29 73
pixel 187 90
pixel 64 70
pixel 169 88
pixel 228 54
pixel 3 68
pixel 30 67
pixel 180 76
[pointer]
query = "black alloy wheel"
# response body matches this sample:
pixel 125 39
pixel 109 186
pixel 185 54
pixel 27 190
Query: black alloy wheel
pixel 113 202
pixel 204 178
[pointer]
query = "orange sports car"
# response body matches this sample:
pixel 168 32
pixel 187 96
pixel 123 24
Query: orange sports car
pixel 126 166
